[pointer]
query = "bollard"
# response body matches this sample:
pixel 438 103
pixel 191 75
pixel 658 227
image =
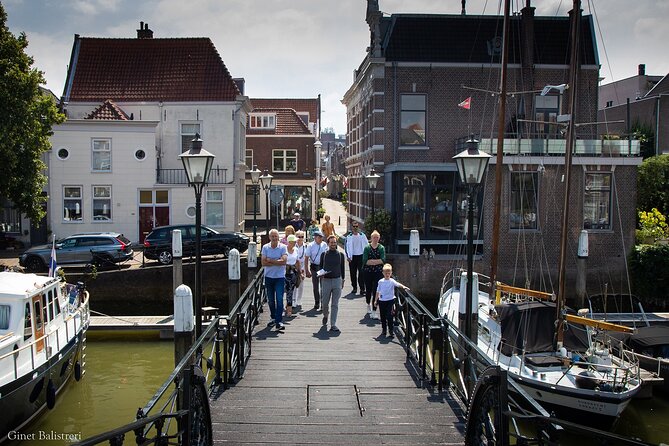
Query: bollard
pixel 252 255
pixel 177 253
pixel 234 272
pixel 183 322
pixel 414 243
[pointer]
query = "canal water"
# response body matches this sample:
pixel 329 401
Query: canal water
pixel 122 376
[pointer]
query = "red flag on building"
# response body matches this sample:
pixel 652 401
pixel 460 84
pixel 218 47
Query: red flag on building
pixel 466 104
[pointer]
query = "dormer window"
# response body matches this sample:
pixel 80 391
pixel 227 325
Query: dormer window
pixel 263 120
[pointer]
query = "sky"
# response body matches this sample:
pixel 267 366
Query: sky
pixel 303 48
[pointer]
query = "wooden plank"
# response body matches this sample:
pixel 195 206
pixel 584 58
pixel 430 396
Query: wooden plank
pixel 307 385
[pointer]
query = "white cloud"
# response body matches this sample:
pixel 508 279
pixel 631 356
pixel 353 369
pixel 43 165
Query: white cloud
pixel 94 7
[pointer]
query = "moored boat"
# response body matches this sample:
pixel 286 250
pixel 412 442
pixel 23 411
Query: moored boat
pixel 43 323
pixel 516 330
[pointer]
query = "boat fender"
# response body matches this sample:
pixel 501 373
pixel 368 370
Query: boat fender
pixel 50 395
pixel 563 352
pixel 77 371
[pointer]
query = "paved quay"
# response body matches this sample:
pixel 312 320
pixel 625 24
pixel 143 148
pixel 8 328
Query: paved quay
pixel 309 385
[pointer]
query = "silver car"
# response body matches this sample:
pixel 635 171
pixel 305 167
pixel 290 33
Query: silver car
pixel 103 249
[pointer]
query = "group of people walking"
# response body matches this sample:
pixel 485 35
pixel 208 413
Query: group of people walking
pixel 288 261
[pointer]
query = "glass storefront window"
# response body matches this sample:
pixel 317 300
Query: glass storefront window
pixel 297 199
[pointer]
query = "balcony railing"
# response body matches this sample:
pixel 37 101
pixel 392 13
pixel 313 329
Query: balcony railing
pixel 178 176
pixel 557 147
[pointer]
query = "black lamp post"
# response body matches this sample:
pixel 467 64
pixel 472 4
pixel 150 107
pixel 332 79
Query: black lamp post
pixel 373 179
pixel 266 183
pixel 472 164
pixel 197 164
pixel 255 179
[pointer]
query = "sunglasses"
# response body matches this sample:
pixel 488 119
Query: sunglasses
pixel 355 227
pixel 300 236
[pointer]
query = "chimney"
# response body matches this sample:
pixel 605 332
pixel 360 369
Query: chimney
pixel 144 32
pixel 642 69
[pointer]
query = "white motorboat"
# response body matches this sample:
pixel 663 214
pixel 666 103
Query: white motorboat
pixel 43 323
pixel 516 330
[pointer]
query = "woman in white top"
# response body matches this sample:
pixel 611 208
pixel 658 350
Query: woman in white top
pixel 293 273
pixel 301 249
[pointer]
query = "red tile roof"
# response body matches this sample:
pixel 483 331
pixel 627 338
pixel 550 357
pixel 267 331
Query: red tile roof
pixel 287 123
pixel 108 111
pixel 175 69
pixel 310 106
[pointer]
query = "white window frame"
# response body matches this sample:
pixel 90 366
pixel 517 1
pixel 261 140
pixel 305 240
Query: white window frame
pixel 186 144
pixel 76 200
pixel 249 157
pixel 210 200
pixel 262 120
pixel 97 150
pixel 593 208
pixel 282 154
pixel 96 189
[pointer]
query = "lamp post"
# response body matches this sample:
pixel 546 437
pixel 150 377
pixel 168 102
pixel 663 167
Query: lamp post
pixel 266 183
pixel 197 164
pixel 372 180
pixel 471 164
pixel 255 179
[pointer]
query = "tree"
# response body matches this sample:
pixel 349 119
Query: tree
pixel 644 133
pixel 26 120
pixel 653 184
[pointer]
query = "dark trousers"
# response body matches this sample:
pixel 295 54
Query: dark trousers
pixel 371 283
pixel 316 282
pixel 386 314
pixel 355 267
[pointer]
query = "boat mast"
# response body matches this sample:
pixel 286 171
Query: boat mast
pixel 571 137
pixel 500 144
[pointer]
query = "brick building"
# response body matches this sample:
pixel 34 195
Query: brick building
pixel 405 122
pixel 280 139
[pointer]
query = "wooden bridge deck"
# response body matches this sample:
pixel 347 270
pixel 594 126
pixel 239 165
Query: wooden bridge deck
pixel 309 385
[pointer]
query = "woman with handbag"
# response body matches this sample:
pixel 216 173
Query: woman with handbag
pixel 293 273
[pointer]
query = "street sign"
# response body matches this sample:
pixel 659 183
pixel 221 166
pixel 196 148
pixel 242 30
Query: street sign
pixel 276 197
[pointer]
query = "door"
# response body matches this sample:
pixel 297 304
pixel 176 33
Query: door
pixel 154 211
pixel 39 322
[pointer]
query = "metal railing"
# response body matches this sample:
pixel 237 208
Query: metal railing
pixel 178 176
pixel 183 415
pixel 545 145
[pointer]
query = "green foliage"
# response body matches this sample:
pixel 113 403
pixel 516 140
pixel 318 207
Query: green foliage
pixel 653 184
pixel 652 227
pixel 380 220
pixel 323 193
pixel 25 124
pixel 344 198
pixel 646 136
pixel 649 271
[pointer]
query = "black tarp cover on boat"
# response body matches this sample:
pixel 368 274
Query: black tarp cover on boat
pixel 647 337
pixel 530 326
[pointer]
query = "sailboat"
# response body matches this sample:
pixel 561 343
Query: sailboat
pixel 550 351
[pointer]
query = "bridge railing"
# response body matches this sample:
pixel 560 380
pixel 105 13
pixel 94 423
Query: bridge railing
pixel 178 413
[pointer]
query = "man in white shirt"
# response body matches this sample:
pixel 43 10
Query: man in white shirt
pixel 355 246
pixel 312 259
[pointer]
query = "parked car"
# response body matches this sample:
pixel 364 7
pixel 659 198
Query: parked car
pixel 158 243
pixel 7 241
pixel 102 249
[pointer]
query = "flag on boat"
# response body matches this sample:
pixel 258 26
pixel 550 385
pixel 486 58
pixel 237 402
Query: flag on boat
pixel 53 266
pixel 466 104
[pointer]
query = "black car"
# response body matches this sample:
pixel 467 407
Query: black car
pixel 158 244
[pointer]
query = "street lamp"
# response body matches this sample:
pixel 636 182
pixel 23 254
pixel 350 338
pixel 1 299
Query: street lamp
pixel 471 164
pixel 372 180
pixel 197 164
pixel 266 183
pixel 317 146
pixel 255 179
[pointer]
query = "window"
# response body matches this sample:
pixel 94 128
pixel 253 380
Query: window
pixel 441 204
pixel 413 192
pixel 72 203
pixel 263 120
pixel 188 132
pixel 609 103
pixel 10 218
pixel 546 111
pixel 284 160
pixel 101 155
pixel 214 208
pixel 597 201
pixel 63 154
pixel 4 316
pixel 102 204
pixel 28 323
pixel 249 159
pixel 249 200
pixel 413 117
pixel 297 199
pixel 304 117
pixel 140 154
pixel 523 212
